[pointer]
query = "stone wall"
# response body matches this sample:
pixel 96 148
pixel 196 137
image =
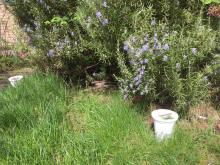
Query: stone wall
pixel 7 24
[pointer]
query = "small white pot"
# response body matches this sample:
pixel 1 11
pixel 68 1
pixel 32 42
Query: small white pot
pixel 164 121
pixel 15 79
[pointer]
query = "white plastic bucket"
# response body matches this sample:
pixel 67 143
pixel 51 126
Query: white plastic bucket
pixel 15 79
pixel 164 121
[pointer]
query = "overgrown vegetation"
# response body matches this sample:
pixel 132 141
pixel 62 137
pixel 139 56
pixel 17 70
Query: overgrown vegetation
pixel 167 66
pixel 90 39
pixel 162 51
pixel 42 123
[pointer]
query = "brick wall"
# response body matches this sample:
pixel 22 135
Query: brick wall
pixel 7 24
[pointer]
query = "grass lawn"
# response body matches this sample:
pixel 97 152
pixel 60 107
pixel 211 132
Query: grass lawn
pixel 44 122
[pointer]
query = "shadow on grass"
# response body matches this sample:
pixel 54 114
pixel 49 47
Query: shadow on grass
pixel 8 121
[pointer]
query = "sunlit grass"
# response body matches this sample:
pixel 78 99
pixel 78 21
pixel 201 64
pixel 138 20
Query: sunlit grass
pixel 41 122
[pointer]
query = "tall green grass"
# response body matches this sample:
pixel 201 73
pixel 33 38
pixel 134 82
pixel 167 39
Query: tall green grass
pixel 31 117
pixel 41 122
pixel 115 133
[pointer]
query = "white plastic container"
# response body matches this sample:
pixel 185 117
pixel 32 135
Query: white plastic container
pixel 15 79
pixel 164 121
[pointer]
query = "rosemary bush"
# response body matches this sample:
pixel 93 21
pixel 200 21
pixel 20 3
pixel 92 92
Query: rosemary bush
pixel 168 66
pixel 158 49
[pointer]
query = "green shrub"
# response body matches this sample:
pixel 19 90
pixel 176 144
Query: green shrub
pixel 59 42
pixel 182 80
pixel 79 38
pixel 168 67
pixel 72 34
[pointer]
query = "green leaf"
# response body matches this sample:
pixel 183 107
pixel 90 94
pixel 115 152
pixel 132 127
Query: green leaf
pixel 210 1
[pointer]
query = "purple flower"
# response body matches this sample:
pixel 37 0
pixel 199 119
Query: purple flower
pixel 145 47
pixel 51 53
pixel 145 61
pixel 98 14
pixel 136 79
pixel 155 36
pixel 104 22
pixel 166 47
pixel 165 58
pixel 126 47
pixel 140 75
pixel 156 44
pixel 40 1
pixel 194 51
pixel 138 83
pixel 142 72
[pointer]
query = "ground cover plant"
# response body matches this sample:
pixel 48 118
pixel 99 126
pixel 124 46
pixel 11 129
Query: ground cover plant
pixel 42 123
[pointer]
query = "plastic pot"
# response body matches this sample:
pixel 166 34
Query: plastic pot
pixel 15 79
pixel 164 121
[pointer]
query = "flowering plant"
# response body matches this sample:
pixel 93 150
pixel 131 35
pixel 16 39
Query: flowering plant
pixel 164 60
pixel 167 66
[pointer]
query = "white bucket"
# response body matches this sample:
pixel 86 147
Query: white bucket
pixel 164 121
pixel 15 79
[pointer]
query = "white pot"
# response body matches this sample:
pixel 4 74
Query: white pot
pixel 164 121
pixel 15 79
